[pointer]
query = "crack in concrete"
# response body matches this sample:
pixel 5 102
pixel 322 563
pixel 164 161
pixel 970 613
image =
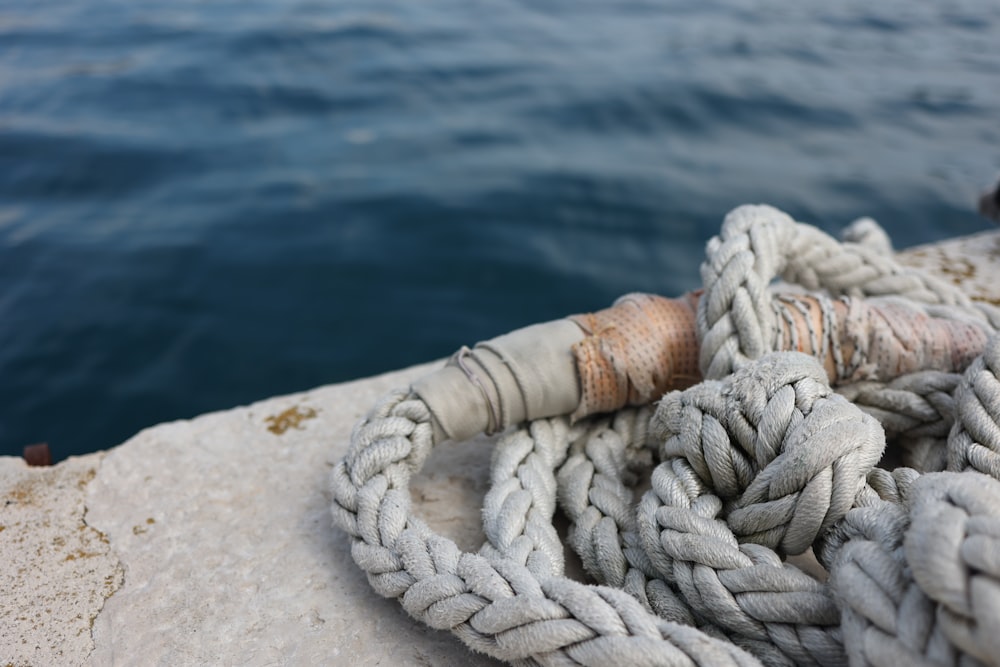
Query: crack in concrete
pixel 113 582
pixel 59 570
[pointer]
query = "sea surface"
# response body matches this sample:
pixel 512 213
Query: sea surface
pixel 203 204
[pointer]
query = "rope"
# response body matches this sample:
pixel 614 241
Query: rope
pixel 595 493
pixel 737 320
pixel 952 547
pixel 974 443
pixel 763 461
pixel 495 605
pixel 785 458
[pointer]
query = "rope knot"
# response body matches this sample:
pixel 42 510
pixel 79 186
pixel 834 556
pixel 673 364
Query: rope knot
pixel 785 454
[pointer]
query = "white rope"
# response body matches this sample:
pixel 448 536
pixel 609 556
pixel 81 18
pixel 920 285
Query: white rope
pixel 974 443
pixel 785 457
pixel 495 605
pixel 596 495
pixel 762 462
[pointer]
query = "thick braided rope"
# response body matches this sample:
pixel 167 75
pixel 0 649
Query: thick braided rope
pixel 858 269
pixel 496 606
pixel 953 549
pixel 974 443
pixel 918 576
pixel 595 495
pixel 735 325
pixel 757 466
pixel 595 492
pixel 619 558
pixel 917 412
pixel 875 546
pixel 771 609
pixel 792 583
pixel 935 602
pixel 786 454
pixel 519 508
pixel 886 618
pixel 917 571
pixel 866 233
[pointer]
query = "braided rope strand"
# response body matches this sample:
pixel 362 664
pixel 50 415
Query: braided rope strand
pixel 974 442
pixel 595 492
pixel 495 605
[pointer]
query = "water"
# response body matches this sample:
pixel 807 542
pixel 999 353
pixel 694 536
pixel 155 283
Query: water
pixel 206 204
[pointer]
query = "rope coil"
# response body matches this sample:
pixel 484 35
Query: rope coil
pixel 760 462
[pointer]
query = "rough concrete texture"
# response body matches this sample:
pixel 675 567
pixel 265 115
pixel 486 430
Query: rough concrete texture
pixel 57 570
pixel 222 528
pixel 971 262
pixel 210 542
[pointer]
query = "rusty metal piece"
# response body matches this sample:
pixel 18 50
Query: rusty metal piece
pixel 290 418
pixel 38 454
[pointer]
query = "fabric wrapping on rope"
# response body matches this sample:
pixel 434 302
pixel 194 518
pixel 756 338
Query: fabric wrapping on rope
pixel 523 375
pixel 635 351
pixel 737 320
pixel 628 354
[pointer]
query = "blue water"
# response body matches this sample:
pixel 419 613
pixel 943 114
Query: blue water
pixel 204 204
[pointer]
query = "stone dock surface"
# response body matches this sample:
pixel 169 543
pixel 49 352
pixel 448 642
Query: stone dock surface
pixel 209 541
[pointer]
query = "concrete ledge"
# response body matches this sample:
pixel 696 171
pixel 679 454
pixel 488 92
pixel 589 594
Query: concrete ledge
pixel 971 262
pixel 210 542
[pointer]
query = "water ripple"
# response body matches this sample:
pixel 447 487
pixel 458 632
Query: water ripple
pixel 204 204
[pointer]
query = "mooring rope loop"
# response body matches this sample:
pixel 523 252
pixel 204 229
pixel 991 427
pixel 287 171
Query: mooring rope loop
pixel 497 605
pixel 772 456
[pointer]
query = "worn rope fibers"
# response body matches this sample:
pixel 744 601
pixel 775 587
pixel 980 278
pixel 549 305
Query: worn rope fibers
pixel 499 606
pixel 754 465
